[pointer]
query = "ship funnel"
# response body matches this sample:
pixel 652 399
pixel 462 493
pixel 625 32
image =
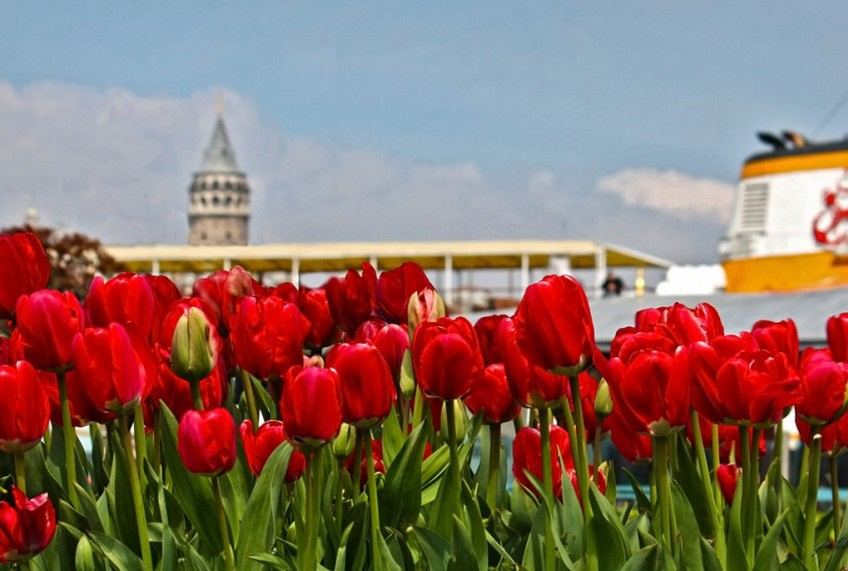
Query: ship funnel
pixel 796 139
pixel 771 139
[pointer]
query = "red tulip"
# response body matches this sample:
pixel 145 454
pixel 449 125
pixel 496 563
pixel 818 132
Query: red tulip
pixel 733 386
pixel 823 394
pixel 490 393
pixel 652 388
pixel 26 526
pixel 837 337
pixel 446 357
pixel 395 287
pixel 531 385
pixel 311 407
pixel 728 478
pixel 313 304
pixel 486 329
pixel 222 291
pixel 206 441
pixel 351 298
pixel 392 341
pixel 6 357
pixel 681 324
pixel 126 299
pixel 268 336
pixel 425 305
pixel 778 337
pixel 527 457
pixel 47 322
pixel 25 269
pixel 367 387
pixel 259 445
pixel 636 447
pixel 554 327
pixel 108 369
pixel 24 408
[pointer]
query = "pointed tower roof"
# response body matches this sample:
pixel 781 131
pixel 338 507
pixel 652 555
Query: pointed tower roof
pixel 219 155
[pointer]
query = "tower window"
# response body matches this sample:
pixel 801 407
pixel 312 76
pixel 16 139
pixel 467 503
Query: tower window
pixel 215 200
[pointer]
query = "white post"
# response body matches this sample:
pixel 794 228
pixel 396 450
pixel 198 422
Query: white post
pixel 373 262
pixel 600 269
pixel 525 272
pixel 448 280
pixel 295 272
pixel 228 264
pixel 154 266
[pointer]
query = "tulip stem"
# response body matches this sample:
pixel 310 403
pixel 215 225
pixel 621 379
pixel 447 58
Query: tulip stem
pixel 135 488
pixel 69 440
pixel 583 471
pixel 720 546
pixel 661 467
pixel 140 442
pixel 715 446
pixel 196 397
pixel 810 561
pixel 417 407
pixel 222 524
pixel 157 442
pixel 308 558
pixel 580 445
pixel 548 485
pixel 493 486
pixel 250 397
pixel 749 494
pixel 596 453
pixel 834 488
pixel 450 417
pixel 20 472
pixel 376 559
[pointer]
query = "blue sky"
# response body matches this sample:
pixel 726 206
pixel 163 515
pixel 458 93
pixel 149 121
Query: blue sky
pixel 619 121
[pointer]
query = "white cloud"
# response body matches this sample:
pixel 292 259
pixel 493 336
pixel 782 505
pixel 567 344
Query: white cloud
pixel 672 192
pixel 117 166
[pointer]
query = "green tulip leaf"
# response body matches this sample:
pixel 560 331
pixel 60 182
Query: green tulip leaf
pixel 436 549
pixel 474 525
pixel 393 438
pixel 463 558
pixel 767 553
pixel 118 554
pixel 687 525
pixel 400 498
pixel 613 547
pixel 645 559
pixel 257 522
pixel 736 558
pixel 84 557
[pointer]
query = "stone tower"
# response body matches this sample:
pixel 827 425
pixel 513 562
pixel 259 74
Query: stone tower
pixel 220 196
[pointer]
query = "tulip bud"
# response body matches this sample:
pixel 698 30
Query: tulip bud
pixel 27 526
pixel 425 305
pixel 345 442
pixel 603 400
pixel 193 354
pixel 407 376
pixel 460 420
